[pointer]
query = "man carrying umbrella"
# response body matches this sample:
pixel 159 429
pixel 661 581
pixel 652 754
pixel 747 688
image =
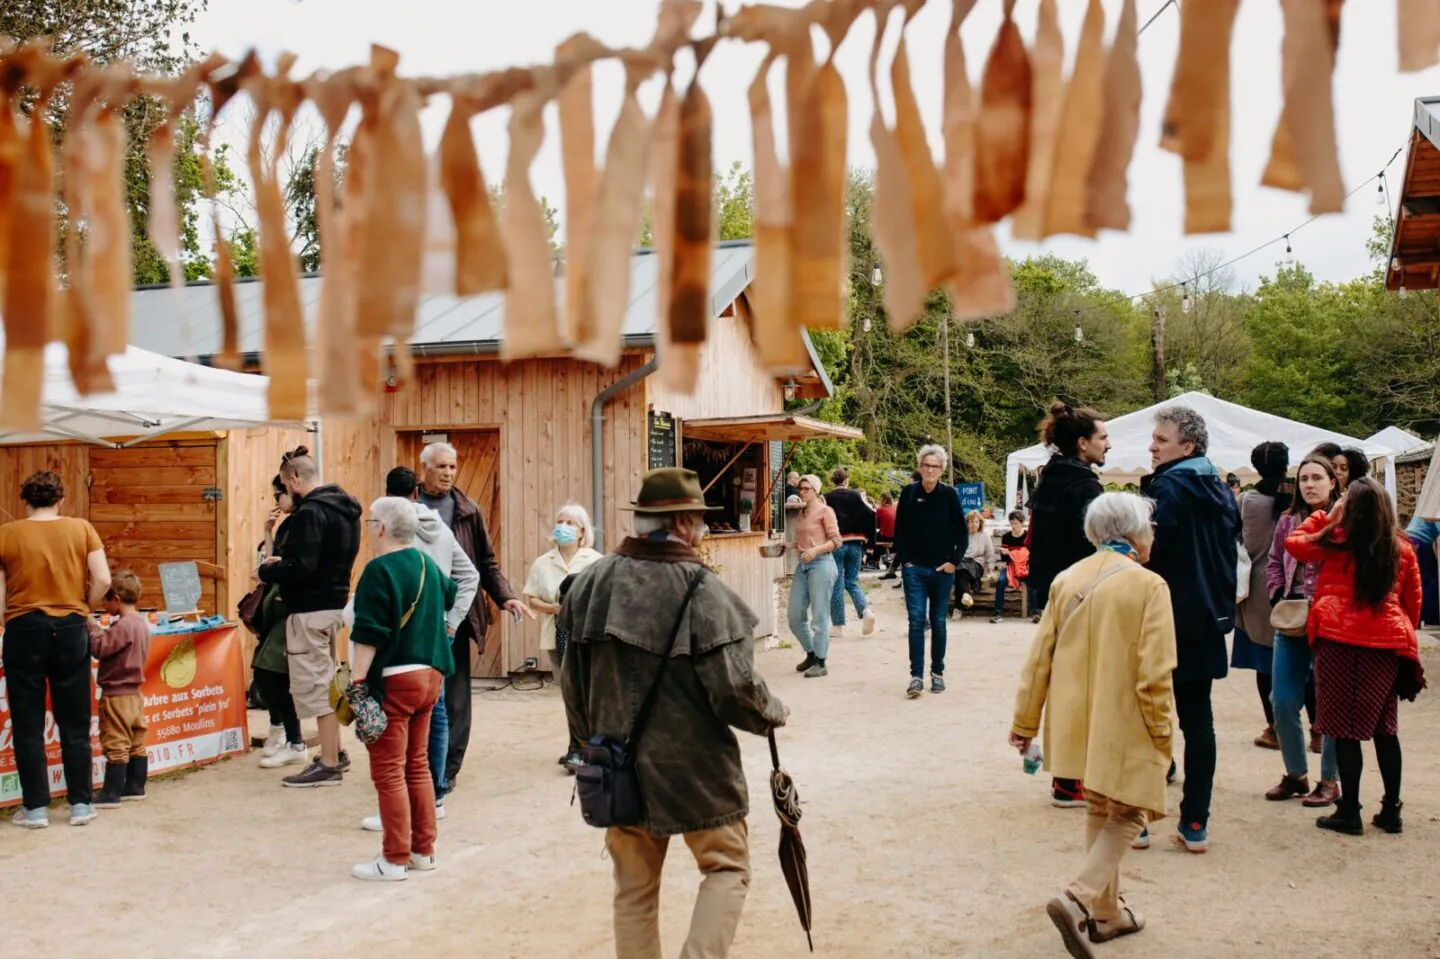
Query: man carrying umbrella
pixel 620 615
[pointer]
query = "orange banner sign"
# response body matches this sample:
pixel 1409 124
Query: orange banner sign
pixel 194 706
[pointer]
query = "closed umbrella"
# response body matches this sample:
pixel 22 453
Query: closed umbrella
pixel 792 847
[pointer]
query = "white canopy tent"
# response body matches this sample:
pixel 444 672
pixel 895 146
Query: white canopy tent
pixel 1401 441
pixel 1234 432
pixel 154 395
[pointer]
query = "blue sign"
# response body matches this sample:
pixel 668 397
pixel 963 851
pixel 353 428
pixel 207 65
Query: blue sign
pixel 972 496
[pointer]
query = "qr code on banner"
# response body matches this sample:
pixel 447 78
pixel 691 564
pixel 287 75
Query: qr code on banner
pixel 232 741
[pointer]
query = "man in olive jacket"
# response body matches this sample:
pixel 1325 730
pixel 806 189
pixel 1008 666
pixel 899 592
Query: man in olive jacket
pixel 619 615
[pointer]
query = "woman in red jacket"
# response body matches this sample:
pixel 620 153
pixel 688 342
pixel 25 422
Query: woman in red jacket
pixel 1362 626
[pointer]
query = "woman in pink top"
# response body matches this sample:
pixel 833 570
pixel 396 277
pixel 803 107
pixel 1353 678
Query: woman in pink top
pixel 817 536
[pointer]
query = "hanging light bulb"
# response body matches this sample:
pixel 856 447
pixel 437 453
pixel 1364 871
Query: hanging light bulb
pixel 1289 253
pixel 865 324
pixel 1380 190
pixel 876 277
pixel 1079 333
pixel 1394 264
pixel 970 339
pixel 1402 288
pixel 1184 298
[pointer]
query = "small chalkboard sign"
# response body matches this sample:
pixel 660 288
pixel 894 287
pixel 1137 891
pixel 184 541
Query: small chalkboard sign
pixel 661 434
pixel 180 582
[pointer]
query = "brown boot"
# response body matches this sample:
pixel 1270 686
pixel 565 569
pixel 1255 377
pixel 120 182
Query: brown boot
pixel 1317 742
pixel 1267 740
pixel 1325 794
pixel 1288 788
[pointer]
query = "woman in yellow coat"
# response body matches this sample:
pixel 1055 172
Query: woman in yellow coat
pixel 1099 669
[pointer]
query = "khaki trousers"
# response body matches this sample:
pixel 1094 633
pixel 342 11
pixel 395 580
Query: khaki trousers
pixel 723 855
pixel 1110 828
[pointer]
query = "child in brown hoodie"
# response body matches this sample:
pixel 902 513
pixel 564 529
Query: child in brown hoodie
pixel 122 650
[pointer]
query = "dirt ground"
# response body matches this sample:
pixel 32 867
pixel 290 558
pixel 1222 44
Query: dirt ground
pixel 925 839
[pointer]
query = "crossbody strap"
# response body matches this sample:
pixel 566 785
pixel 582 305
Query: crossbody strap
pixel 643 715
pixel 405 620
pixel 1080 597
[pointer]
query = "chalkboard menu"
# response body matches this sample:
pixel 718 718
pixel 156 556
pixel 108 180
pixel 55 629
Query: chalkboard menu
pixel 180 582
pixel 662 440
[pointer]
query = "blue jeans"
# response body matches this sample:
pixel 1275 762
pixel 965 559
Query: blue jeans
pixel 810 594
pixel 927 597
pixel 1000 593
pixel 1293 662
pixel 1429 582
pixel 848 581
pixel 439 745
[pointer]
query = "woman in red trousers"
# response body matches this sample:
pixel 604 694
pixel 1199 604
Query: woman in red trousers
pixel 1362 626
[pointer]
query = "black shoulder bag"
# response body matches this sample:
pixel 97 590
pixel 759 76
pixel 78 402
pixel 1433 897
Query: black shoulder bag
pixel 608 783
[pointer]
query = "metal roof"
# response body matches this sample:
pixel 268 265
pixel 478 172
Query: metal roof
pixel 186 322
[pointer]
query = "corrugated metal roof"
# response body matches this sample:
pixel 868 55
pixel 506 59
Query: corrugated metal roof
pixel 186 322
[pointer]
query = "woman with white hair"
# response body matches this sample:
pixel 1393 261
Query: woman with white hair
pixel 572 540
pixel 402 656
pixel 1099 670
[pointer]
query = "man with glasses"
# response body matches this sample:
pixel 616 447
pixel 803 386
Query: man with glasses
pixel 930 538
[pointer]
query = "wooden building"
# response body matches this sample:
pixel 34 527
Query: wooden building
pixel 1415 245
pixel 529 432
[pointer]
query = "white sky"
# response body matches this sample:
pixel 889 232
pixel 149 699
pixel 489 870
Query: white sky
pixel 1374 103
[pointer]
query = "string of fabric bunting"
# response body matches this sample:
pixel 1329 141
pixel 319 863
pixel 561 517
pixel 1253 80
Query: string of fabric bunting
pixel 1005 156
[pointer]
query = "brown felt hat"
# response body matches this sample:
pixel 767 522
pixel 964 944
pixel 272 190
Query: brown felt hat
pixel 670 490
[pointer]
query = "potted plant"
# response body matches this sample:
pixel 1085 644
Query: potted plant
pixel 747 510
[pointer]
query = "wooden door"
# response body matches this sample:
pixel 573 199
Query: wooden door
pixel 478 456
pixel 156 504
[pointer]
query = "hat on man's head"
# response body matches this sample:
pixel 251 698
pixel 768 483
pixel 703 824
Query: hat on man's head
pixel 670 490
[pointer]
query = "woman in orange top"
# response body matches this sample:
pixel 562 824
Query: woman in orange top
pixel 53 571
pixel 1362 626
pixel 817 536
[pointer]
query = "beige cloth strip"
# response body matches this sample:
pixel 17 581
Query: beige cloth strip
pixel 1304 154
pixel 775 329
pixel 531 325
pixel 480 263
pixel 576 104
pixel 1418 34
pixel 679 362
pixel 1002 137
pixel 903 290
pixel 1084 111
pixel 1107 204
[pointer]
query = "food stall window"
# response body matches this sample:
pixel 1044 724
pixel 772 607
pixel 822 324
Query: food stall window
pixel 734 474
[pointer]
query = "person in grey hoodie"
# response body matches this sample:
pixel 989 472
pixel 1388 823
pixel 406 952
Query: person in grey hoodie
pixel 434 539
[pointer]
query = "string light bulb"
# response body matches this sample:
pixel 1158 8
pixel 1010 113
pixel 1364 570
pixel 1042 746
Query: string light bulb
pixel 1289 253
pixel 876 277
pixel 1402 288
pixel 1184 298
pixel 865 324
pixel 1380 190
pixel 1079 333
pixel 970 339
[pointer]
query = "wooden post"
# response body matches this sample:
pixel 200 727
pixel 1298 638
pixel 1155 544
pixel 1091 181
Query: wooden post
pixel 1157 354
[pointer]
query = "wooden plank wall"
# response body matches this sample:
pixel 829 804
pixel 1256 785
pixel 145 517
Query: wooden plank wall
pixel 732 382
pixel 70 460
pixel 542 411
pixel 744 570
pixel 251 458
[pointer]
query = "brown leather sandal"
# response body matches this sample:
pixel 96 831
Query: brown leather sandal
pixel 1073 921
pixel 1127 924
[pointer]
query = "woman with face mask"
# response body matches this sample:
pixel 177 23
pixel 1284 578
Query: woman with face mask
pixel 572 538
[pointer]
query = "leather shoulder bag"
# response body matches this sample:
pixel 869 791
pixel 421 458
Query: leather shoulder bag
pixel 607 782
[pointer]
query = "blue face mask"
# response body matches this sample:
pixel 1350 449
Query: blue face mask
pixel 565 535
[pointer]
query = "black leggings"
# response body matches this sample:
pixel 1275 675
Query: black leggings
pixel 274 689
pixel 1350 761
pixel 1263 684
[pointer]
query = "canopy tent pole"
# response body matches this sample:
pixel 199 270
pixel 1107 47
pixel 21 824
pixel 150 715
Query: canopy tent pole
pixel 1012 482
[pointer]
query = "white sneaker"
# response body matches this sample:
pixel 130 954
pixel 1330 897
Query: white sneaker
pixel 422 863
pixel 837 632
pixel 31 818
pixel 288 755
pixel 868 622
pixel 380 869
pixel 372 824
pixel 967 600
pixel 439 811
pixel 82 814
pixel 274 742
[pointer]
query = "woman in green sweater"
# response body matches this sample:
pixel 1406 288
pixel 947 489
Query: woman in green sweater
pixel 403 654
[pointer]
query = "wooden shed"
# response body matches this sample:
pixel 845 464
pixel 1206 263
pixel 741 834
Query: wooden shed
pixel 528 433
pixel 1415 246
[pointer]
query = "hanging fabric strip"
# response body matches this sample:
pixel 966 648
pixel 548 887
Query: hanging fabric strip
pixel 531 325
pixel 75 311
pixel 337 382
pixel 480 265
pixel 1197 114
pixel 617 222
pixel 903 289
pixel 1047 65
pixel 775 329
pixel 10 143
pixel 30 296
pixel 285 358
pixel 1084 111
pixel 577 155
pixel 1002 135
pixel 1107 205
pixel 107 245
pixel 1419 34
pixel 933 242
pixel 353 229
pixel 981 286
pixel 818 124
pixel 679 362
pixel 222 89
pixel 689 315
pixel 1304 154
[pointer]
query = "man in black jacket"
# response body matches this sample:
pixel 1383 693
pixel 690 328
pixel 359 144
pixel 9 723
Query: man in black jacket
pixel 857 528
pixel 1068 484
pixel 321 542
pixel 439 464
pixel 930 538
pixel 1197 527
